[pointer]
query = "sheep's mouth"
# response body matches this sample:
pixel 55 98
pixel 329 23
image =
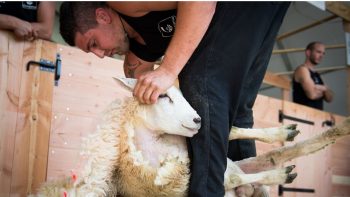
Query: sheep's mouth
pixel 191 128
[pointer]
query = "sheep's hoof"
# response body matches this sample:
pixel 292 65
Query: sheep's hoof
pixel 291 177
pixel 291 126
pixel 291 135
pixel 289 168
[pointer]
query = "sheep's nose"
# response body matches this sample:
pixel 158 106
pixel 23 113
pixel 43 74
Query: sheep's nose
pixel 197 120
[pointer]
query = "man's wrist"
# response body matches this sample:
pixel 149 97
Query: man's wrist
pixel 171 66
pixel 15 22
pixel 168 70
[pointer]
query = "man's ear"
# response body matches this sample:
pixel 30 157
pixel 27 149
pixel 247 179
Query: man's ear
pixel 103 16
pixel 308 53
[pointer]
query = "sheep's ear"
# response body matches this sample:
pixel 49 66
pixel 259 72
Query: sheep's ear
pixel 129 83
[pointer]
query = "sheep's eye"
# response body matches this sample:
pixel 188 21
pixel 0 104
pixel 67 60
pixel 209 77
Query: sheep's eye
pixel 165 96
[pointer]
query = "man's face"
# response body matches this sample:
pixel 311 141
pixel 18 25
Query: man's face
pixel 317 54
pixel 103 40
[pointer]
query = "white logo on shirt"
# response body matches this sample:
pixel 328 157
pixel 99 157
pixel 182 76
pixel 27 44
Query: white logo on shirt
pixel 29 5
pixel 167 26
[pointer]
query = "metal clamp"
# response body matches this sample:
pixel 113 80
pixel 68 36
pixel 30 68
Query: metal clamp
pixel 329 123
pixel 282 116
pixel 282 189
pixel 48 66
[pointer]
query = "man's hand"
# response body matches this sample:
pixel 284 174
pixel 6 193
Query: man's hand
pixel 24 30
pixel 36 30
pixel 151 84
pixel 321 88
pixel 313 91
pixel 328 94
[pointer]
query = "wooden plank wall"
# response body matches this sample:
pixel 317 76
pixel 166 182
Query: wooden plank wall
pixel 85 89
pixel 326 171
pixel 25 115
pixel 312 170
pixel 339 165
pixel 10 72
pixel 315 171
pixel 266 115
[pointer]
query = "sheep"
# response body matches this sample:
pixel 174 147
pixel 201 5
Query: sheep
pixel 140 150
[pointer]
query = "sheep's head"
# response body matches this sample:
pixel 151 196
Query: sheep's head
pixel 171 114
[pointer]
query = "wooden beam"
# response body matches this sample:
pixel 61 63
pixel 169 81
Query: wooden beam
pixel 277 81
pixel 320 70
pixel 291 50
pixel 342 180
pixel 346 27
pixel 338 8
pixel 285 35
pixel 285 95
pixel 43 111
pixel 348 89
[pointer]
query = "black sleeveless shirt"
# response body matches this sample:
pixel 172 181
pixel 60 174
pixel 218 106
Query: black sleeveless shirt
pixel 300 97
pixel 25 10
pixel 156 28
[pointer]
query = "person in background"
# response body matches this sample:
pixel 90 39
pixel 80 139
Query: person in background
pixel 308 87
pixel 219 51
pixel 28 20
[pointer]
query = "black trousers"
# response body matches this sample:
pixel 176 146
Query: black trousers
pixel 221 81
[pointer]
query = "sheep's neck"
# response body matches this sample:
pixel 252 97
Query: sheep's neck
pixel 156 147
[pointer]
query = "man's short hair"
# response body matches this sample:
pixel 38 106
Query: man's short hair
pixel 311 45
pixel 77 17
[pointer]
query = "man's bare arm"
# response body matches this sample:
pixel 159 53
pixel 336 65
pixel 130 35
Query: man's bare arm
pixel 328 95
pixel 139 8
pixel 311 90
pixel 22 29
pixel 193 19
pixel 43 28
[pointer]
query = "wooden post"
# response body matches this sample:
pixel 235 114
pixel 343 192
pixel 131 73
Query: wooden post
pixel 348 89
pixel 33 119
pixel 346 27
pixel 43 110
pixel 285 95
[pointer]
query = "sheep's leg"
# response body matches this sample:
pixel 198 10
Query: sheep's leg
pixel 268 135
pixel 234 176
pixel 279 156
